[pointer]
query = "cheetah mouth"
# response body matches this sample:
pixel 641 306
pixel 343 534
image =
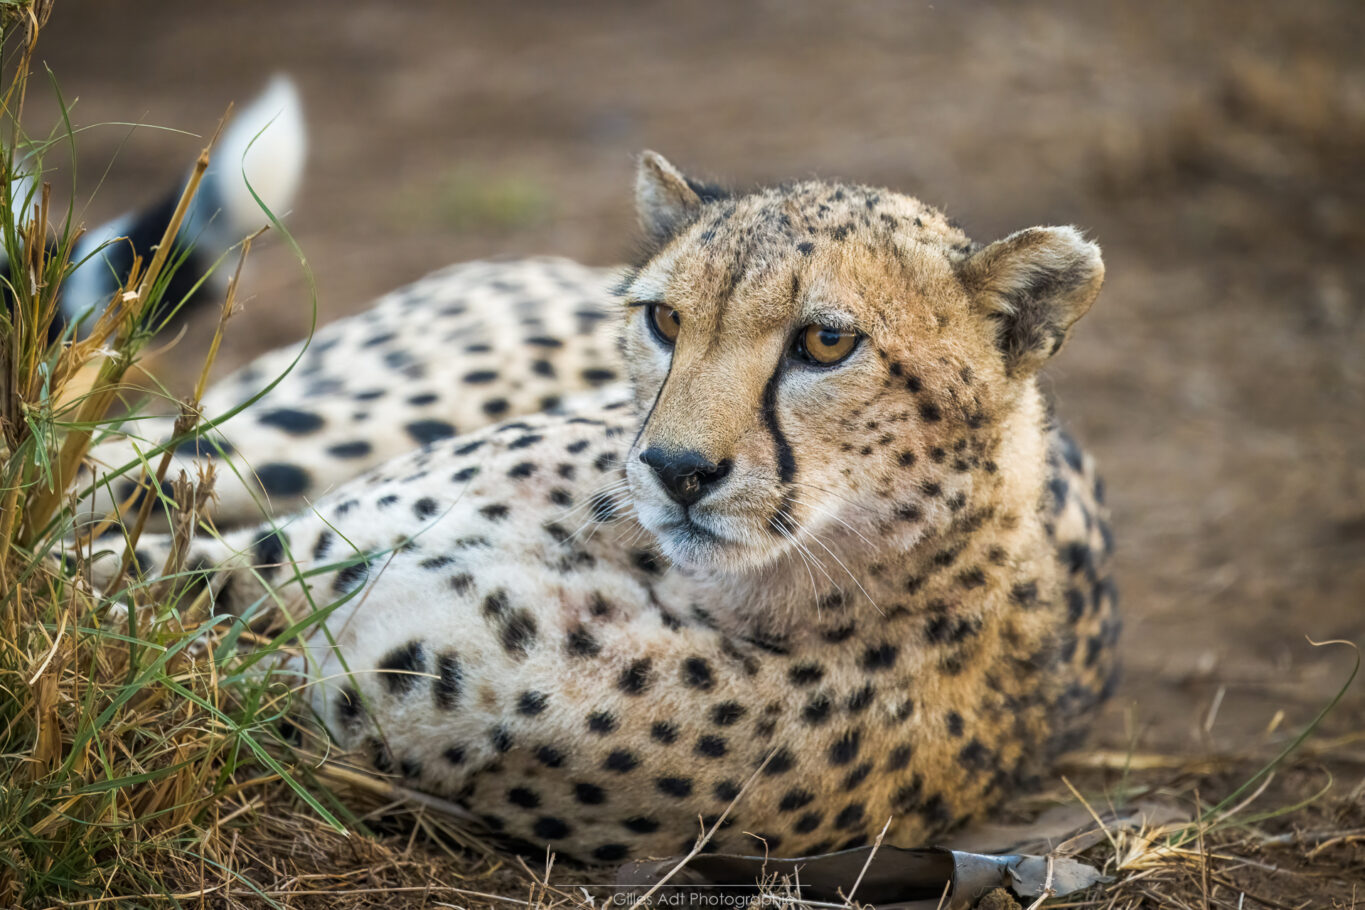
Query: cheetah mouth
pixel 686 540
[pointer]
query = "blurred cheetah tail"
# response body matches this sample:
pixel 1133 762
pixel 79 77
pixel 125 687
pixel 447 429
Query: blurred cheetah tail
pixel 260 154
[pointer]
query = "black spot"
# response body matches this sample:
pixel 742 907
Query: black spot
pixel 806 674
pixel 550 828
pixel 636 678
pixel 1078 558
pixel 524 441
pixel 399 668
pixel 839 633
pixel 425 431
pixel 423 399
pixel 610 853
pixel 561 497
pixel 725 790
pixel 664 732
pixel 712 746
pixel 291 421
pixel 521 796
pixel 601 722
pixel 454 755
pixel 845 748
pixel 358 449
pixel 370 394
pixel 204 448
pixel 930 412
pixel 500 738
pixel 808 823
pixel 696 674
pixel 425 507
pixel 646 562
pixel 597 376
pixel 349 707
pixel 857 776
pixel 621 761
pixel 461 583
pixel 589 794
pixel 531 703
pixel 955 725
pixel 795 799
pixel 972 578
pixel 727 713
pixel 522 471
pixel 860 700
pixel 816 711
pixel 481 377
pixel 464 474
pixel 975 756
pixel 541 341
pixel 280 479
pixel 449 680
pixel 495 512
pixel 496 407
pixel 549 756
pixel 781 762
pixel 269 549
pixel 351 577
pixel 495 604
pixel 881 657
pixel 581 643
pixel 518 633
pixel 641 824
pixel 436 562
pixel 851 816
pixel 677 787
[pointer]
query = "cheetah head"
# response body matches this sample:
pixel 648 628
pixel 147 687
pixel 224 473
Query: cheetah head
pixel 819 360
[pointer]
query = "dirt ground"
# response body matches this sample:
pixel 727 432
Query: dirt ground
pixel 1213 149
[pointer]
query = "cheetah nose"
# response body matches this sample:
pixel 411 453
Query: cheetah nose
pixel 685 475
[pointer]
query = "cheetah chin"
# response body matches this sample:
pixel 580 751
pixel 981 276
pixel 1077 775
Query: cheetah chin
pixel 825 558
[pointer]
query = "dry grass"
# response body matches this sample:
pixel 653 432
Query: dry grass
pixel 142 753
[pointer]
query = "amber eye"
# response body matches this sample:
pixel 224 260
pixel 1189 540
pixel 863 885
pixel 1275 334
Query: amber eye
pixel 823 345
pixel 665 322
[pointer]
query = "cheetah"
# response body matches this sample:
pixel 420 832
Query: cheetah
pixel 825 559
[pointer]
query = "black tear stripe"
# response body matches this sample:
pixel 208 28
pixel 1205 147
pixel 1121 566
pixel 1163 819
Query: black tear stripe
pixel 786 461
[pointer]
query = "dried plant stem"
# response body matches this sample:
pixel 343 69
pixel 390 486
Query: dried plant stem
pixel 95 405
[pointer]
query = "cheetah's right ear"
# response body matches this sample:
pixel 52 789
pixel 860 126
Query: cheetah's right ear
pixel 664 200
pixel 1035 284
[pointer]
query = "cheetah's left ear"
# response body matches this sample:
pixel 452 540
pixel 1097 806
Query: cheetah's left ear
pixel 1035 284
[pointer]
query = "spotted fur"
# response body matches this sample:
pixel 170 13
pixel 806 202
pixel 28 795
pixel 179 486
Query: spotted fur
pixel 459 349
pixel 893 604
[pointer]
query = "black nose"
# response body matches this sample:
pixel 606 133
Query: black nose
pixel 686 475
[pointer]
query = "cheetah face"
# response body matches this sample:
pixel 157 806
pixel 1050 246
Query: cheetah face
pixel 819 366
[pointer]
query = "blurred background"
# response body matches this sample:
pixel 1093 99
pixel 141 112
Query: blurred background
pixel 1214 149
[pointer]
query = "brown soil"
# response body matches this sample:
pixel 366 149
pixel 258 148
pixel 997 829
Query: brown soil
pixel 1214 149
